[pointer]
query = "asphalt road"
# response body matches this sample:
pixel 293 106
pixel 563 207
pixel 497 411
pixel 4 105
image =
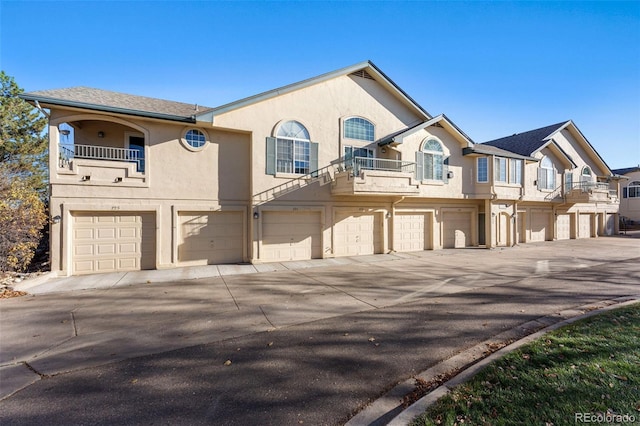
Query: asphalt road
pixel 324 371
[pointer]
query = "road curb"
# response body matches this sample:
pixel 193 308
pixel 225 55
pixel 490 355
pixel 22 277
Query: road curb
pixel 447 374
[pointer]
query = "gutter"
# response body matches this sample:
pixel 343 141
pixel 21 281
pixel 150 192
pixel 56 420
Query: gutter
pixel 103 108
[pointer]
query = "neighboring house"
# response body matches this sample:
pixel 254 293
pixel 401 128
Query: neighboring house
pixel 630 202
pixel 343 164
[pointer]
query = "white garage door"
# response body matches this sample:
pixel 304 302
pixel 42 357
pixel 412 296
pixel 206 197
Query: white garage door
pixel 610 224
pixel 291 236
pixel 108 242
pixel 584 226
pixel 210 237
pixel 411 232
pixel 540 226
pixel 563 224
pixel 357 234
pixel 456 228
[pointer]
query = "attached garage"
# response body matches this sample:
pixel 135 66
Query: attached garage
pixel 357 234
pixel 610 224
pixel 112 242
pixel 540 226
pixel 291 235
pixel 456 229
pixel 411 231
pixel 584 225
pixel 210 237
pixel 563 226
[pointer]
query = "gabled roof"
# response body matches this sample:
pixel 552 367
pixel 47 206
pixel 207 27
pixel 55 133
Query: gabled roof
pixel 441 119
pixel 527 143
pixel 371 71
pixel 104 100
pixel 626 170
pixel 492 150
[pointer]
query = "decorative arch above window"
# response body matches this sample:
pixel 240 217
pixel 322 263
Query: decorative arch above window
pixel 291 151
pixel 359 128
pixel 430 161
pixel 293 130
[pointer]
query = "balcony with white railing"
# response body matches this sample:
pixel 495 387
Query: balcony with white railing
pixel 69 152
pixel 100 164
pixel 590 192
pixel 374 176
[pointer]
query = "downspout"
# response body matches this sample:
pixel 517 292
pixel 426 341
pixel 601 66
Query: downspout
pixel 39 107
pixel 393 219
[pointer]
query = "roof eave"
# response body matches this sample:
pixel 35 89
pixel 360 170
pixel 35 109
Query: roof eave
pixel 104 108
pixel 209 116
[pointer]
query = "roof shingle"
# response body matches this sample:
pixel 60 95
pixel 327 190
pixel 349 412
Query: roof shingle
pixel 107 99
pixel 525 143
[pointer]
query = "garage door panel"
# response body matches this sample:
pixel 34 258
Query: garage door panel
pixel 540 225
pixel 291 235
pixel 411 232
pixel 563 223
pixel 357 234
pixel 584 226
pixel 456 228
pixel 110 242
pixel 211 237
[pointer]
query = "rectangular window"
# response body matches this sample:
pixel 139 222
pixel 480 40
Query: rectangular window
pixel 500 172
pixel 483 169
pixel 515 171
pixel 292 156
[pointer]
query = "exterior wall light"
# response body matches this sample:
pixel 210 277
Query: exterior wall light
pixel 56 219
pixel 256 215
pixel 86 178
pixel 101 134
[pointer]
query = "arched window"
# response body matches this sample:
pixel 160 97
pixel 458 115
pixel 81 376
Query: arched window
pixel 632 190
pixel 546 174
pixel 359 128
pixel 431 159
pixel 291 150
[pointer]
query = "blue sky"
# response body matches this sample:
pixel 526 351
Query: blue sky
pixel 495 68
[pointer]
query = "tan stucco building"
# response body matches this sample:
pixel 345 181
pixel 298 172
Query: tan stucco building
pixel 343 164
pixel 630 201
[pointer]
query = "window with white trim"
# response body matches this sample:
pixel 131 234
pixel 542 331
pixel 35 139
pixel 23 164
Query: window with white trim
pixel 482 169
pixel 632 190
pixel 546 174
pixel 432 160
pixel 515 171
pixel 291 151
pixel 359 128
pixel 500 169
pixel 195 138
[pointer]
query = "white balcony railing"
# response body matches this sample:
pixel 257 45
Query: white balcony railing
pixel 355 164
pixel 68 152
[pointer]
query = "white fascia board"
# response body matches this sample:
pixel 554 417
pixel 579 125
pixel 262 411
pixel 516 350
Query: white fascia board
pixel 380 77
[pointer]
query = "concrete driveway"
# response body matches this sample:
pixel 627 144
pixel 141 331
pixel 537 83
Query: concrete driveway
pixel 308 343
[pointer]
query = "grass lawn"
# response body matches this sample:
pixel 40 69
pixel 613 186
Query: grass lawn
pixel 591 366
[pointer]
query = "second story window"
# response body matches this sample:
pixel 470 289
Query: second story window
pixel 515 171
pixel 359 128
pixel 430 162
pixel 500 171
pixel 483 169
pixel 546 174
pixel 632 190
pixel 291 151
